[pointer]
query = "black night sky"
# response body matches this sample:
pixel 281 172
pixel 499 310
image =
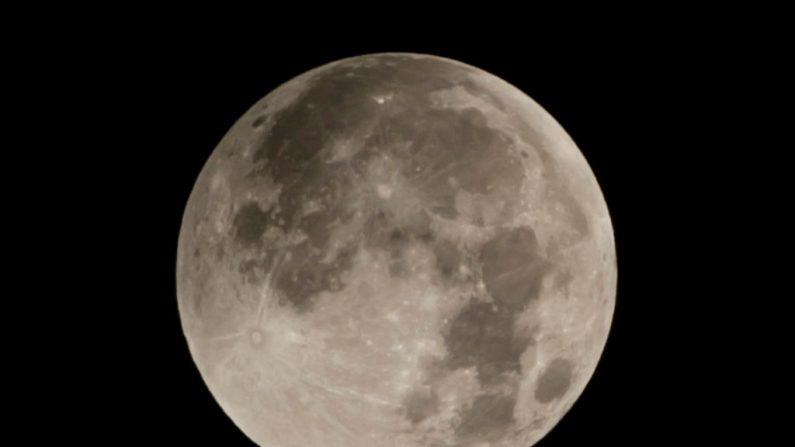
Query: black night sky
pixel 157 104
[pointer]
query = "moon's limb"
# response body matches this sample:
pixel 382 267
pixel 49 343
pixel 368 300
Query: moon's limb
pixel 397 250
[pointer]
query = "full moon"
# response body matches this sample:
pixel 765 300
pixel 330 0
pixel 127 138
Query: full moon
pixel 396 250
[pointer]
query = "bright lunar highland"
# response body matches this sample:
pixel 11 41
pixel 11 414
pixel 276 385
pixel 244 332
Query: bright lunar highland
pixel 396 250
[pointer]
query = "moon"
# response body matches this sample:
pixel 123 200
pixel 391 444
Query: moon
pixel 396 250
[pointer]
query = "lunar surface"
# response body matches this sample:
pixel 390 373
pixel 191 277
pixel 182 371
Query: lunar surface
pixel 396 250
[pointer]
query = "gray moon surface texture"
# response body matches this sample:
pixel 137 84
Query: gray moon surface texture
pixel 396 250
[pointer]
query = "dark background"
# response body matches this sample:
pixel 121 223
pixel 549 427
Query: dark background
pixel 600 99
pixel 638 102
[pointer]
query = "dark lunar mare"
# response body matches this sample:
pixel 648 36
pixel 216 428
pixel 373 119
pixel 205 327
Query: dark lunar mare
pixel 554 381
pixel 431 145
pixel 482 335
pixel 488 417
